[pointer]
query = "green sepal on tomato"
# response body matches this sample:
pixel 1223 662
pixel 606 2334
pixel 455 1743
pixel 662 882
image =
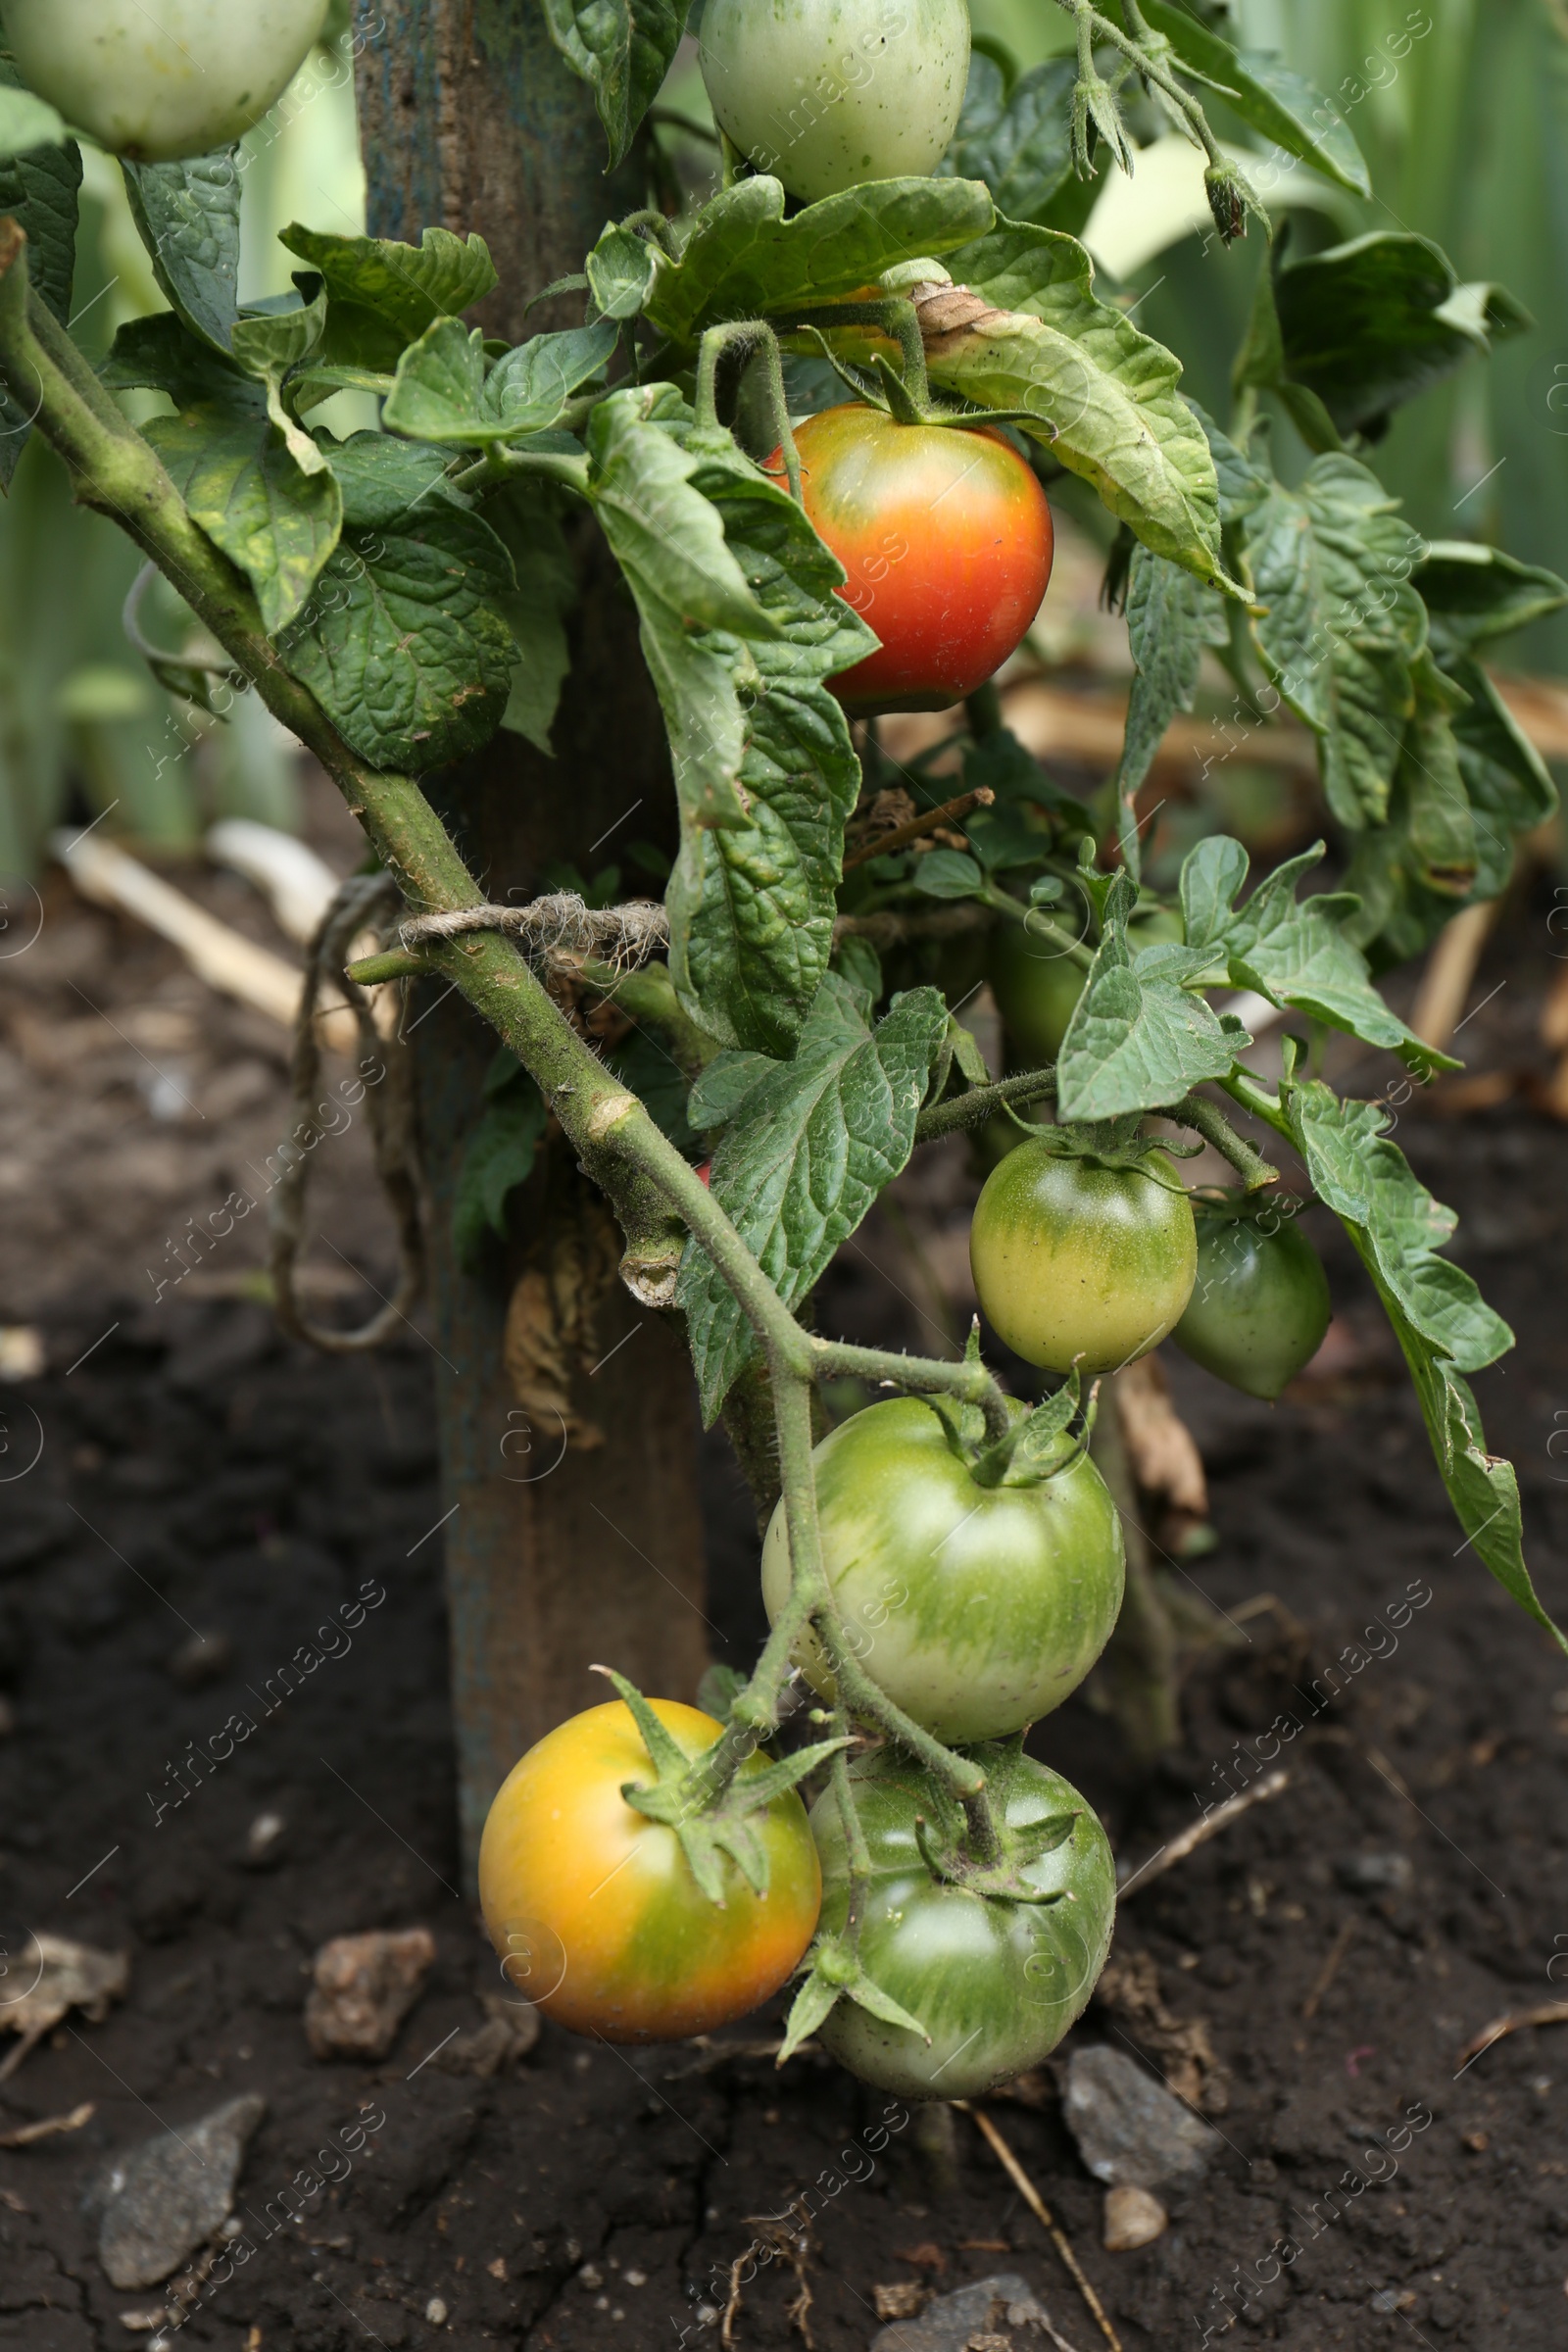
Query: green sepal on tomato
pixel 976 1607
pixel 1261 1303
pixel 946 537
pixel 594 1907
pixel 1082 1260
pixel 994 1982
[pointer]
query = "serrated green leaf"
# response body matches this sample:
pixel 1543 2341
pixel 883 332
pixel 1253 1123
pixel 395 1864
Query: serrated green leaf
pixel 947 874
pixel 1241 485
pixel 743 258
pixel 622 49
pixel 403 643
pixel 1212 875
pixel 1371 324
pixel 27 121
pixel 1270 97
pixel 1297 954
pixel 385 294
pixel 1343 627
pixel 1474 593
pixel 1138 1040
pixel 1017 141
pixel 723 1086
pixel 1443 1324
pixel 525 518
pixel 187 215
pixel 1367 1181
pixel 1506 781
pixel 499 1156
pixel 159 354
pixel 445 389
pixel 1172 617
pixel 822 1135
pixel 1099 395
pixel 244 489
pixel 619 272
pixel 39 189
pixel 267 348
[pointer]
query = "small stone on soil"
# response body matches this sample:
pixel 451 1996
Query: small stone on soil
pixel 970 2314
pixel 161 2200
pixel 1131 2133
pixel 263 1839
pixel 200 1658
pixel 435 2311
pixel 365 1988
pixel 1375 1874
pixel 1133 2219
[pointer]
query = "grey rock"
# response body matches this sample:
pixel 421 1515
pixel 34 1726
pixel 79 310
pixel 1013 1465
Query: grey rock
pixel 989 2307
pixel 160 2201
pixel 1131 2133
pixel 1375 1874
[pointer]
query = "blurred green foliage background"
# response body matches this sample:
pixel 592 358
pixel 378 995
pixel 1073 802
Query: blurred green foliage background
pixel 1460 106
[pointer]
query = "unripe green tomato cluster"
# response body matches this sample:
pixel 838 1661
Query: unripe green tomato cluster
pixel 153 83
pixel 828 94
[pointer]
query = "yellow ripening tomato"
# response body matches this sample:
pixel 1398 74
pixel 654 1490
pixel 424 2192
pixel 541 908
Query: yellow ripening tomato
pixel 593 1908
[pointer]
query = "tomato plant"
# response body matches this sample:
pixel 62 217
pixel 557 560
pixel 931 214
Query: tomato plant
pixel 1079 1264
pixel 1260 1300
pixel 977 1608
pixel 152 84
pixel 995 1981
pixel 737 1070
pixel 828 94
pixel 595 1908
pixel 946 537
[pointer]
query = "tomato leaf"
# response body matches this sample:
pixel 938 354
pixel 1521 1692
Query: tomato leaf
pixel 723 1086
pixel 403 642
pixel 1343 627
pixel 619 273
pixel 187 215
pixel 1172 617
pixel 1370 325
pixel 244 489
pixel 500 1156
pixel 822 1134
pixel 743 258
pixel 622 49
pixel 1507 783
pixel 1101 395
pixel 39 189
pixel 1138 1040
pixel 1266 94
pixel 267 348
pixel 445 391
pixel 159 354
pixel 947 874
pixel 1017 141
pixel 1296 954
pixel 525 519
pixel 383 294
pixel 1440 1318
pixel 1474 593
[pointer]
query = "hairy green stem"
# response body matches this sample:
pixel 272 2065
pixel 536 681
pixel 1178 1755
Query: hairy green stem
pixel 962 1112
pixel 1039 925
pixel 755 339
pixel 1206 1119
pixel 836 1359
pixel 898 318
pixel 1153 72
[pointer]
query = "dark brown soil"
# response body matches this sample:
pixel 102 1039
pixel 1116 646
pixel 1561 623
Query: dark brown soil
pixel 198 1473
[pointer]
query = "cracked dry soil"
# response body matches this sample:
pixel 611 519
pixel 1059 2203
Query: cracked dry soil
pixel 199 1472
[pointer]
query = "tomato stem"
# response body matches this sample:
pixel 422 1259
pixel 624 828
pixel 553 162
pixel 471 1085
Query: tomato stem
pixel 754 339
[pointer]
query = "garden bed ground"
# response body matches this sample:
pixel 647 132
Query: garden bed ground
pixel 197 1473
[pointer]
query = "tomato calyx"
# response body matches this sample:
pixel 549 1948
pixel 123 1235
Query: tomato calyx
pixel 1034 1447
pixel 989 1856
pixel 705 1799
pixel 835 1973
pixel 1118 1145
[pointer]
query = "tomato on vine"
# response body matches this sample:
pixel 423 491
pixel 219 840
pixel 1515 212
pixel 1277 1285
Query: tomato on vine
pixel 1081 1261
pixel 946 540
pixel 1260 1304
pixel 594 1907
pixel 180 80
pixel 995 1981
pixel 828 94
pixel 975 1607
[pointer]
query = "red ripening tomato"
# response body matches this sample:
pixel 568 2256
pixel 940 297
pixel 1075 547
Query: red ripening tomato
pixel 945 536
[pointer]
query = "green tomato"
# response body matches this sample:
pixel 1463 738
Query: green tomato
pixel 1260 1304
pixel 828 94
pixel 975 1609
pixel 1037 987
pixel 995 1983
pixel 179 79
pixel 1079 1264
